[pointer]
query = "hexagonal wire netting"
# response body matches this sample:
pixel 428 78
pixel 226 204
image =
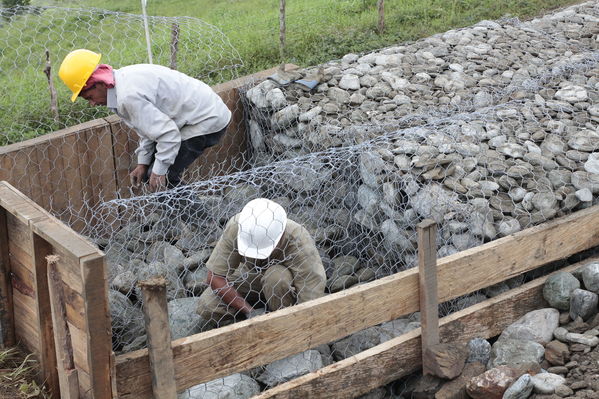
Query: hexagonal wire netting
pixel 487 130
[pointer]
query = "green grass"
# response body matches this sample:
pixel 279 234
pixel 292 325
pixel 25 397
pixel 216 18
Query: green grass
pixel 236 37
pixel 17 376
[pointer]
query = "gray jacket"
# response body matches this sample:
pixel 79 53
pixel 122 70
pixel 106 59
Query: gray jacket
pixel 165 107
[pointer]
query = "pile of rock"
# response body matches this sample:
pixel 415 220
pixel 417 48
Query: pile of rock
pixel 548 353
pixel 488 130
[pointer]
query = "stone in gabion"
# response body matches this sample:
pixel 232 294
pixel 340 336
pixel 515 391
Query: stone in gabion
pixel 558 289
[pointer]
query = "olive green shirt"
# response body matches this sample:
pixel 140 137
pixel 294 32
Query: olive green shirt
pixel 296 251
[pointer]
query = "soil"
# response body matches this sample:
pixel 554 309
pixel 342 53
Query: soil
pixel 583 374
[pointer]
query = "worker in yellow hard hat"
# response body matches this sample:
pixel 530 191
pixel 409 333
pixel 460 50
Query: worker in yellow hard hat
pixel 176 116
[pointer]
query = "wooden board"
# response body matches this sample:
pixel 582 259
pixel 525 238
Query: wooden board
pixel 99 335
pixel 124 143
pixel 7 327
pixel 259 341
pixel 32 234
pixel 47 348
pixel 73 183
pixel 401 356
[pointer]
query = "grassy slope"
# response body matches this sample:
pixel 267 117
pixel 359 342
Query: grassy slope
pixel 317 31
pixel 320 30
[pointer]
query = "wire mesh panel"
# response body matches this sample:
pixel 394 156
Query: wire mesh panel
pixel 487 130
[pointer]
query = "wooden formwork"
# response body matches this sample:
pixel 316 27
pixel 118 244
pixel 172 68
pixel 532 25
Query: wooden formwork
pixel 258 341
pixel 28 235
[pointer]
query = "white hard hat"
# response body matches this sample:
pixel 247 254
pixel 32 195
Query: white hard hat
pixel 261 226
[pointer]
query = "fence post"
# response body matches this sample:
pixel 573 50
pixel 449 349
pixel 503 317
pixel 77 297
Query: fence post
pixel 282 31
pixel 153 292
pixel 381 8
pixel 53 100
pixel 427 276
pixel 67 373
pixel 174 44
pixel 7 327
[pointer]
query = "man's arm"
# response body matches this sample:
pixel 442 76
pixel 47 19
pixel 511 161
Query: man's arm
pixel 154 127
pixel 225 290
pixel 309 277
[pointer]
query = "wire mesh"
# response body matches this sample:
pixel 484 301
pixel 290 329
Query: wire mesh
pixel 487 130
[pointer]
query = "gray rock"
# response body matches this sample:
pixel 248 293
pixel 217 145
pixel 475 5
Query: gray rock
pixel 590 276
pixel 558 289
pixel 536 326
pixel 127 319
pixel 513 352
pixel 479 350
pixel 583 304
pixel 520 389
pixel 359 342
pixel 236 386
pixel 183 318
pixel 291 367
pixel 546 383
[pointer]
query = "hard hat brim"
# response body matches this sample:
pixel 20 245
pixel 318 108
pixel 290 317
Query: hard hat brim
pixel 76 93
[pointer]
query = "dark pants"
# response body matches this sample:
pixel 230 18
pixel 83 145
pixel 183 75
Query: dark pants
pixel 189 151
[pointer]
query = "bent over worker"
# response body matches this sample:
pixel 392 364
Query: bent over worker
pixel 261 257
pixel 176 116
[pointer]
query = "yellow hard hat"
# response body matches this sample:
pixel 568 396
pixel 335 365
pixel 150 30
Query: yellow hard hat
pixel 76 68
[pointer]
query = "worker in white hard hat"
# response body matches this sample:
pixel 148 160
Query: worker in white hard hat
pixel 262 258
pixel 176 116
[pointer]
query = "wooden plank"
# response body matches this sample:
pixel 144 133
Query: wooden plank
pixel 7 326
pixel 102 163
pixel 67 374
pixel 401 356
pixel 26 328
pixel 427 288
pixel 99 336
pixel 73 182
pixel 69 131
pixel 54 176
pixel 155 310
pixel 123 146
pixel 60 235
pixel 79 338
pixel 42 170
pixel 337 315
pixel 47 350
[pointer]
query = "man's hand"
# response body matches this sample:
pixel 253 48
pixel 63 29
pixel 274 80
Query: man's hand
pixel 157 181
pixel 137 175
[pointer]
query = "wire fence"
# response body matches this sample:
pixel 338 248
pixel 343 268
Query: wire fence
pixel 487 130
pixel 28 33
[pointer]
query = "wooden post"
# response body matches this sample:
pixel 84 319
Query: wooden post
pixel 282 30
pixel 427 278
pixel 67 373
pixel 53 100
pixel 174 44
pixel 381 8
pixel 41 295
pixel 155 309
pixel 7 326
